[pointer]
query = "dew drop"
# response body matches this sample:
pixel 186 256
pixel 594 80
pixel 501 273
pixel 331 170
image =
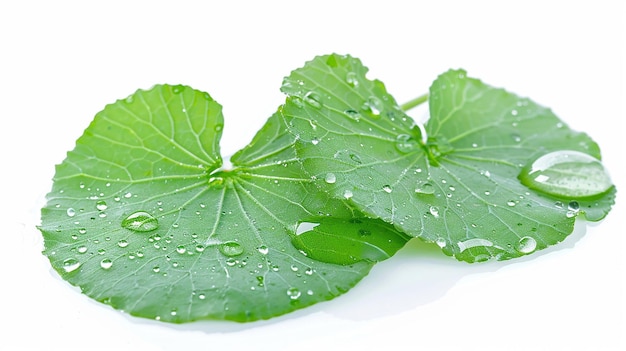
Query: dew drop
pixel 441 242
pixel 373 107
pixel 347 194
pixel 122 243
pixel 315 141
pixel 425 188
pixel 330 178
pixel 387 189
pixel 526 245
pixel 313 99
pixel 70 265
pixel 293 293
pixel 231 248
pixel 177 89
pixel 101 205
pixel 106 263
pixel 81 249
pixel 71 212
pixel 352 79
pixel 181 249
pixel 567 173
pixel 434 211
pixel 140 221
pixel 405 143
pixel 510 203
pixel 352 114
pixel 156 269
pixel 263 250
pixel 364 232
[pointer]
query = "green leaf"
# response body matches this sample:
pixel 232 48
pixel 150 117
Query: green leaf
pixel 141 216
pixel 454 182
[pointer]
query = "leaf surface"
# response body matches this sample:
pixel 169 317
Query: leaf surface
pixel 142 217
pixel 454 182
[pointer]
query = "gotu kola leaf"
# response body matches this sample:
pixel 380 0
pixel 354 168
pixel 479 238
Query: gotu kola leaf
pixel 142 217
pixel 455 182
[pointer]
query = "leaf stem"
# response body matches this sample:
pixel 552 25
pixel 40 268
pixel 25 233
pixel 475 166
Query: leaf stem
pixel 414 103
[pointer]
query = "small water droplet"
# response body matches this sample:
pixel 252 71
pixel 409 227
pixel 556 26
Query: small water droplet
pixel 81 249
pixel 387 189
pixel 177 89
pixel 70 265
pixel 106 263
pixel 293 293
pixel 200 248
pixel 356 158
pixel 263 250
pixel 434 211
pixel 405 143
pixel 373 107
pixel 231 248
pixel 156 269
pixel 140 221
pixel 425 187
pixel 347 194
pixel 526 245
pixel 352 79
pixel 441 242
pixel 511 203
pixel 313 99
pixel 101 205
pixel 71 212
pixel 181 249
pixel 353 114
pixel 82 231
pixel 364 232
pixel 330 178
pixel 567 173
pixel 122 243
pixel 315 141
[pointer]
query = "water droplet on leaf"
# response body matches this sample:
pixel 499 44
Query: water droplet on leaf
pixel 313 99
pixel 526 245
pixel 330 178
pixel 352 79
pixel 70 265
pixel 405 143
pixel 106 263
pixel 231 248
pixel 567 173
pixel 140 221
pixel 101 205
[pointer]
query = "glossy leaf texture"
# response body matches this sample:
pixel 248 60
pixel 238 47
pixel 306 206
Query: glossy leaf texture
pixel 454 182
pixel 142 217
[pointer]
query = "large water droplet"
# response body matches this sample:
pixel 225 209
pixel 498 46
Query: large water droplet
pixel 101 205
pixel 567 173
pixel 231 248
pixel 526 245
pixel 140 221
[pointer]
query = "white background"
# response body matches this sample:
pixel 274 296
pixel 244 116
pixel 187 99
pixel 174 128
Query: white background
pixel 61 62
